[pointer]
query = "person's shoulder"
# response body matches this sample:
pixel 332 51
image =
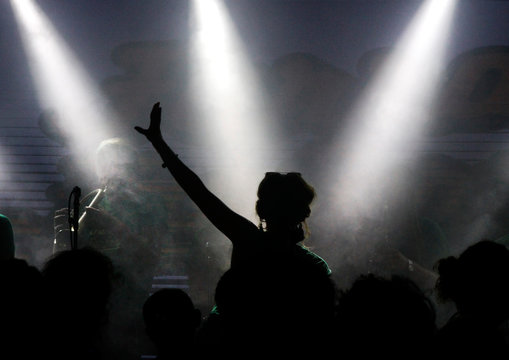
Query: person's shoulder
pixel 314 258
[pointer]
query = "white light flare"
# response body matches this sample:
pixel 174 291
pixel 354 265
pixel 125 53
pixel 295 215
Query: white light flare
pixel 4 168
pixel 62 84
pixel 231 111
pixel 392 113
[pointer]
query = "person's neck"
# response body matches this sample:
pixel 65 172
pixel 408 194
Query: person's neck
pixel 291 234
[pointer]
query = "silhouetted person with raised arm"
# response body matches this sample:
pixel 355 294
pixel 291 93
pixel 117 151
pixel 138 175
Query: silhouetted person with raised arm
pixel 477 282
pixel 384 317
pixel 283 205
pixel 171 321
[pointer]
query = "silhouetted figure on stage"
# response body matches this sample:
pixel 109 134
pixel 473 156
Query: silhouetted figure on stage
pixel 382 317
pixel 126 223
pixel 118 218
pixel 171 321
pixel 477 282
pixel 283 205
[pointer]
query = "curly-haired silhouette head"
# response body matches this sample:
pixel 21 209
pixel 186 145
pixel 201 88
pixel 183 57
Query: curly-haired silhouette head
pixel 284 201
pixel 477 280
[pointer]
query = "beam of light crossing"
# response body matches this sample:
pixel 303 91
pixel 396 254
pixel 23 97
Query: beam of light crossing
pixel 231 112
pixel 5 177
pixel 62 84
pixel 391 115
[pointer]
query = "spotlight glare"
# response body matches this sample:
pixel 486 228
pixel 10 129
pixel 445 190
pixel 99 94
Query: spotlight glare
pixel 229 104
pixel 4 167
pixel 61 82
pixel 391 117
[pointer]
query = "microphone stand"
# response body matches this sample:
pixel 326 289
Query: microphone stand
pixel 74 216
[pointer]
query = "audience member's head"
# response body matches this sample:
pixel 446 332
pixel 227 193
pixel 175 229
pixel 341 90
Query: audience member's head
pixel 77 285
pixel 284 201
pixel 7 248
pixel 20 309
pixel 385 316
pixel 477 281
pixel 275 304
pixel 171 320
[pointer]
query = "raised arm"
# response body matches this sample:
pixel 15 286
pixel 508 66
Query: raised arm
pixel 231 224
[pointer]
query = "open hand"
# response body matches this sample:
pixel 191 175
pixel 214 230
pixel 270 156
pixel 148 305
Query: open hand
pixel 154 130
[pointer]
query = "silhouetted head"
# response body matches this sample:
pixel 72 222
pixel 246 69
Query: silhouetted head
pixel 20 309
pixel 7 247
pixel 171 318
pixel 276 303
pixel 379 315
pixel 284 200
pixel 77 285
pixel 478 280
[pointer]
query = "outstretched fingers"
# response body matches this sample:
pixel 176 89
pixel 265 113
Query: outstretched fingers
pixel 140 130
pixel 155 116
pixel 154 129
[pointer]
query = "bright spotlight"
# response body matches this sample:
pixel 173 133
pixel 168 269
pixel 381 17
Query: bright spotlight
pixel 62 84
pixel 231 111
pixel 392 114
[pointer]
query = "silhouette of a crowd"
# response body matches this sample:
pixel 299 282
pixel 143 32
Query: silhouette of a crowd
pixel 278 297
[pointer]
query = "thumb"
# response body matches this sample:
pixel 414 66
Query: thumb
pixel 140 130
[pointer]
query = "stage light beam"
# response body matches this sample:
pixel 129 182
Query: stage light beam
pixel 62 84
pixel 231 111
pixel 390 119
